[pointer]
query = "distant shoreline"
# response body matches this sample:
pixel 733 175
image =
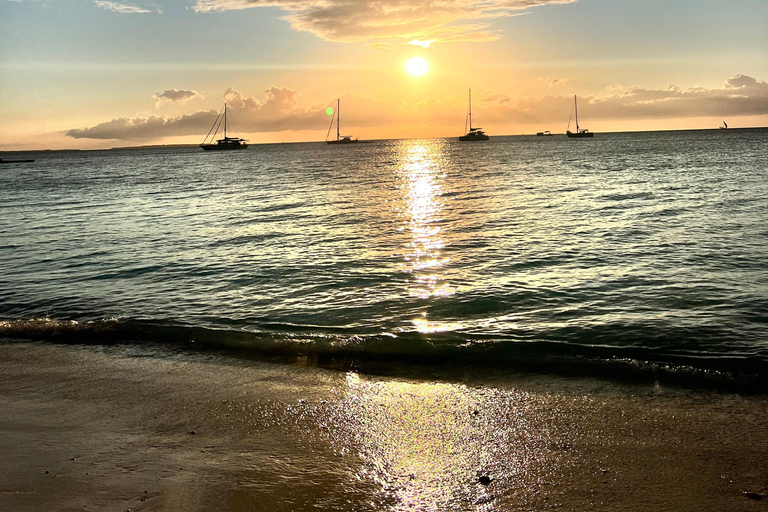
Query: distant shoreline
pixel 532 134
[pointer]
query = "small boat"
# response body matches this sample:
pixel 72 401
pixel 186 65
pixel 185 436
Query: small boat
pixel 474 133
pixel 17 161
pixel 725 126
pixel 545 133
pixel 226 142
pixel 345 139
pixel 580 132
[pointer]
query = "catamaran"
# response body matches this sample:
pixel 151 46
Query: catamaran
pixel 580 132
pixel 346 139
pixel 226 142
pixel 473 133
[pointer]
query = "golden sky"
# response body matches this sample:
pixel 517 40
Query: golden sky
pixel 100 74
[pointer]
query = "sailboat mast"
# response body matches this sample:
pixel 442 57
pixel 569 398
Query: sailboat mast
pixel 338 103
pixel 225 120
pixel 470 110
pixel 576 107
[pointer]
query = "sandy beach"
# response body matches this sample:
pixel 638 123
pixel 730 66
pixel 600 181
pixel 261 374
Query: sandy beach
pixel 118 428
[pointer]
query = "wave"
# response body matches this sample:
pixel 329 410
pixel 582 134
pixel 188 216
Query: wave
pixel 397 352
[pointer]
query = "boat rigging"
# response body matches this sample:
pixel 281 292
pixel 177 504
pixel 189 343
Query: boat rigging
pixel 474 134
pixel 226 142
pixel 580 132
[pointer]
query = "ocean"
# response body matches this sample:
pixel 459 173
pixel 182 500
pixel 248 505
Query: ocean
pixel 626 256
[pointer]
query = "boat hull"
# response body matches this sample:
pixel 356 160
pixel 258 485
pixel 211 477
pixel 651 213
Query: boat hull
pixel 342 141
pixel 222 147
pixel 580 135
pixel 473 138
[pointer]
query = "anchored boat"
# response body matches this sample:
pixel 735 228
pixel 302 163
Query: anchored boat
pixel 226 142
pixel 474 133
pixel 346 139
pixel 580 132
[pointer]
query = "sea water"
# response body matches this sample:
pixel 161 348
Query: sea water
pixel 633 253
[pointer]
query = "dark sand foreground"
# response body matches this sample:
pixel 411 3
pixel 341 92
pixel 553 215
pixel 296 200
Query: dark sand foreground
pixel 84 428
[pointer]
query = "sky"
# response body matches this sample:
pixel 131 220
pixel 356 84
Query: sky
pixel 94 74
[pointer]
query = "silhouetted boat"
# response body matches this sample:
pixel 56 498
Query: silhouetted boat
pixel 725 126
pixel 473 133
pixel 545 133
pixel 226 142
pixel 16 161
pixel 346 139
pixel 580 132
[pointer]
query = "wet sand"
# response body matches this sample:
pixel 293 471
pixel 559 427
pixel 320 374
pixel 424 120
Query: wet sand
pixel 118 428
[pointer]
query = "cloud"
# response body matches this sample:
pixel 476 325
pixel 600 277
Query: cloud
pixel 120 8
pixel 739 81
pixel 739 96
pixel 423 44
pixel 281 109
pixel 388 20
pixel 147 128
pixel 179 95
pixel 557 81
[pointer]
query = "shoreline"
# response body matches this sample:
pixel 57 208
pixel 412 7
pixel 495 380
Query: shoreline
pixel 409 355
pixel 183 145
pixel 121 427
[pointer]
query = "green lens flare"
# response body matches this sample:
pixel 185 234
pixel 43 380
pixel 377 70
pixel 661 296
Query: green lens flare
pixel 329 111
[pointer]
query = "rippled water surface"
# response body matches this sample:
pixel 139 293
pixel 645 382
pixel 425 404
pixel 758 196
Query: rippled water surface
pixel 643 245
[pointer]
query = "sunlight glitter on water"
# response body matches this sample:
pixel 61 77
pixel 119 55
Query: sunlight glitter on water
pixel 651 242
pixel 427 444
pixel 422 176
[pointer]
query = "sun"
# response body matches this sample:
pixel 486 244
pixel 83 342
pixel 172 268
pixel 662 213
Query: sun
pixel 416 66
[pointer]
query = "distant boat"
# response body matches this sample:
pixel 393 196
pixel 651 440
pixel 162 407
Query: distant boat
pixel 725 126
pixel 545 133
pixel 580 132
pixel 17 161
pixel 226 142
pixel 346 139
pixel 473 133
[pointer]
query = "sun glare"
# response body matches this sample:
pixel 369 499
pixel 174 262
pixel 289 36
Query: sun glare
pixel 416 66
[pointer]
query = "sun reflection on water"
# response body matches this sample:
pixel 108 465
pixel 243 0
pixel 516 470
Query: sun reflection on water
pixel 428 444
pixel 422 175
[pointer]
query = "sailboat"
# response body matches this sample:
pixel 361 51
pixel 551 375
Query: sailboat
pixel 346 139
pixel 473 133
pixel 725 126
pixel 580 132
pixel 226 142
